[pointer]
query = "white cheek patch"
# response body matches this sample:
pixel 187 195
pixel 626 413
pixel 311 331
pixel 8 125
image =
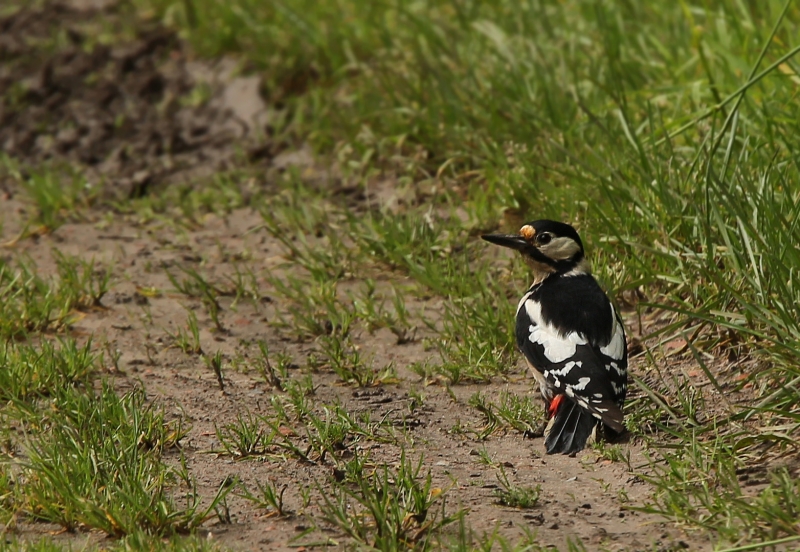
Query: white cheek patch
pixel 616 347
pixel 556 348
pixel 561 249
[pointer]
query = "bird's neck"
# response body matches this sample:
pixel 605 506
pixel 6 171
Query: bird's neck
pixel 543 271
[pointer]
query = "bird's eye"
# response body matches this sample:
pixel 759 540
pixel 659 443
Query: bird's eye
pixel 544 238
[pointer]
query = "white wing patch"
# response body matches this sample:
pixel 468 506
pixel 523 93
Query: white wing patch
pixel 556 348
pixel 581 385
pixel 562 372
pixel 616 347
pixel 614 366
pixel 522 302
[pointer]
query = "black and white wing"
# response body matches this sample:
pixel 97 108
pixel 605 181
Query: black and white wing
pixel 583 356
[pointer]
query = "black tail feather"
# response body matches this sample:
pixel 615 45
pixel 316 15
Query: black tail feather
pixel 570 428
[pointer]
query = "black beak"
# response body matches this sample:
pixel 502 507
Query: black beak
pixel 507 240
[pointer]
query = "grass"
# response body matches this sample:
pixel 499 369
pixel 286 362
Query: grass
pixel 140 541
pixel 75 452
pixel 105 475
pixel 515 496
pixel 35 304
pixel 35 372
pixel 388 509
pixel 85 458
pixel 245 437
pixel 55 194
pixel 269 498
pixel 143 541
pixel 707 480
pixel 188 341
pixel 521 414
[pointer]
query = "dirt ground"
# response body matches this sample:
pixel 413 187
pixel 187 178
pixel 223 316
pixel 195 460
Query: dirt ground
pixel 119 113
pixel 579 495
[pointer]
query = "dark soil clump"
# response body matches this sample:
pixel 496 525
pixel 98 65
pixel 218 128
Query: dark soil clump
pixel 127 111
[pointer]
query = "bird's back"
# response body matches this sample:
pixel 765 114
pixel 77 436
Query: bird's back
pixel 570 333
pixel 576 304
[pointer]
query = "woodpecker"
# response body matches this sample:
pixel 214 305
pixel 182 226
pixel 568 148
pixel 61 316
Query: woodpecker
pixel 572 338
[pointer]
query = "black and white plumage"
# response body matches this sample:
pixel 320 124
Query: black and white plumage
pixel 571 336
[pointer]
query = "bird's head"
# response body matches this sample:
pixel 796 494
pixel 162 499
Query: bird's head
pixel 549 247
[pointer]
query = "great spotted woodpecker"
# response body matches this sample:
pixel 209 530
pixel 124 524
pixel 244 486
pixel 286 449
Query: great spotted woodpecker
pixel 571 336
